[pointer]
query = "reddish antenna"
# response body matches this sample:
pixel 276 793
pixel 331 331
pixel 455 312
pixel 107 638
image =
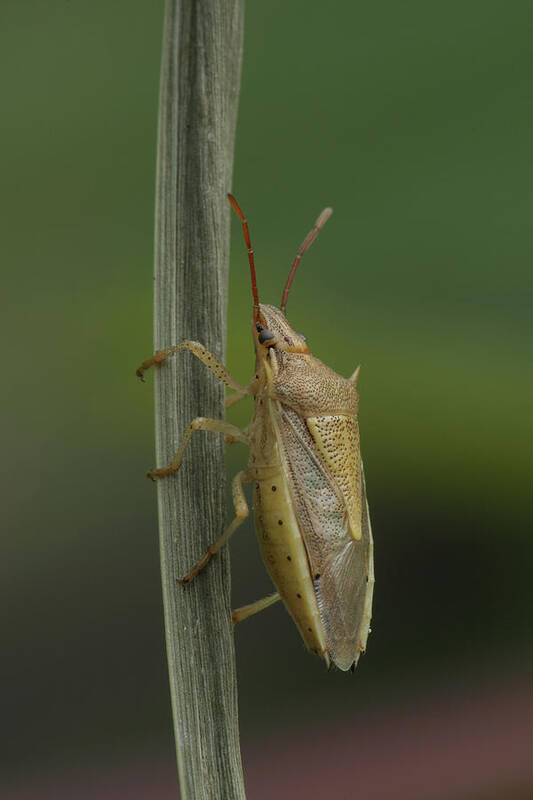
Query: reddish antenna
pixel 309 239
pixel 246 234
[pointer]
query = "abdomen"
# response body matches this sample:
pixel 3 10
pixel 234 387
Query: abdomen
pixel 285 556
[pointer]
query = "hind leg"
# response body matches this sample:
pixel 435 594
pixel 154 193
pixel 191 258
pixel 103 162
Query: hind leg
pixel 241 512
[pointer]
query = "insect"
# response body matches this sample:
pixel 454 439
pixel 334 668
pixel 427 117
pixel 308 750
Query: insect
pixel 310 506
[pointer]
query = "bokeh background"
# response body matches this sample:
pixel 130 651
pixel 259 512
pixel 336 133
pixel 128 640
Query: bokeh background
pixel 414 120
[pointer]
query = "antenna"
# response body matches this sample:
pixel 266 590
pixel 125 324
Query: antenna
pixel 307 242
pixel 246 234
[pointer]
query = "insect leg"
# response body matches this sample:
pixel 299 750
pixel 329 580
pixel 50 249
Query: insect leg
pixel 253 608
pixel 234 398
pixel 203 354
pixel 232 433
pixel 241 512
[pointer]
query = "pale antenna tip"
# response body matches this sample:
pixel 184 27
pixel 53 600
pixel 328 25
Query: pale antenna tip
pixel 324 216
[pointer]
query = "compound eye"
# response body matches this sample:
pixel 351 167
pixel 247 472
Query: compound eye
pixel 266 337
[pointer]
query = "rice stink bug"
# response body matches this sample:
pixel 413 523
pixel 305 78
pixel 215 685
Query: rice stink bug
pixel 310 506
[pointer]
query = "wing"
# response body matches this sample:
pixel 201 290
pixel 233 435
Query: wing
pixel 341 564
pixel 344 594
pixel 337 440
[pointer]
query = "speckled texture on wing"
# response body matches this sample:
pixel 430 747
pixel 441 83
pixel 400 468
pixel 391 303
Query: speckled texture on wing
pixel 337 439
pixel 341 566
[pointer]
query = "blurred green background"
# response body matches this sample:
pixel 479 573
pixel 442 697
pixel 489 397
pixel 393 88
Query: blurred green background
pixel 415 122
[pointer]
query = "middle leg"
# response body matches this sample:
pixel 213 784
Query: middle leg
pixel 232 433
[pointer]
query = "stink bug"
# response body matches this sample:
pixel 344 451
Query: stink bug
pixel 311 511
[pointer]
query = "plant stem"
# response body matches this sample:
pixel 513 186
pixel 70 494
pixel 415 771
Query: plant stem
pixel 200 78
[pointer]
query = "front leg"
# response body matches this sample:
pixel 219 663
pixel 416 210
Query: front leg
pixel 233 433
pixel 204 355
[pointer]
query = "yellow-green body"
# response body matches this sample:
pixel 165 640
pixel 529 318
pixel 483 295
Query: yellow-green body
pixel 311 514
pixel 280 540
